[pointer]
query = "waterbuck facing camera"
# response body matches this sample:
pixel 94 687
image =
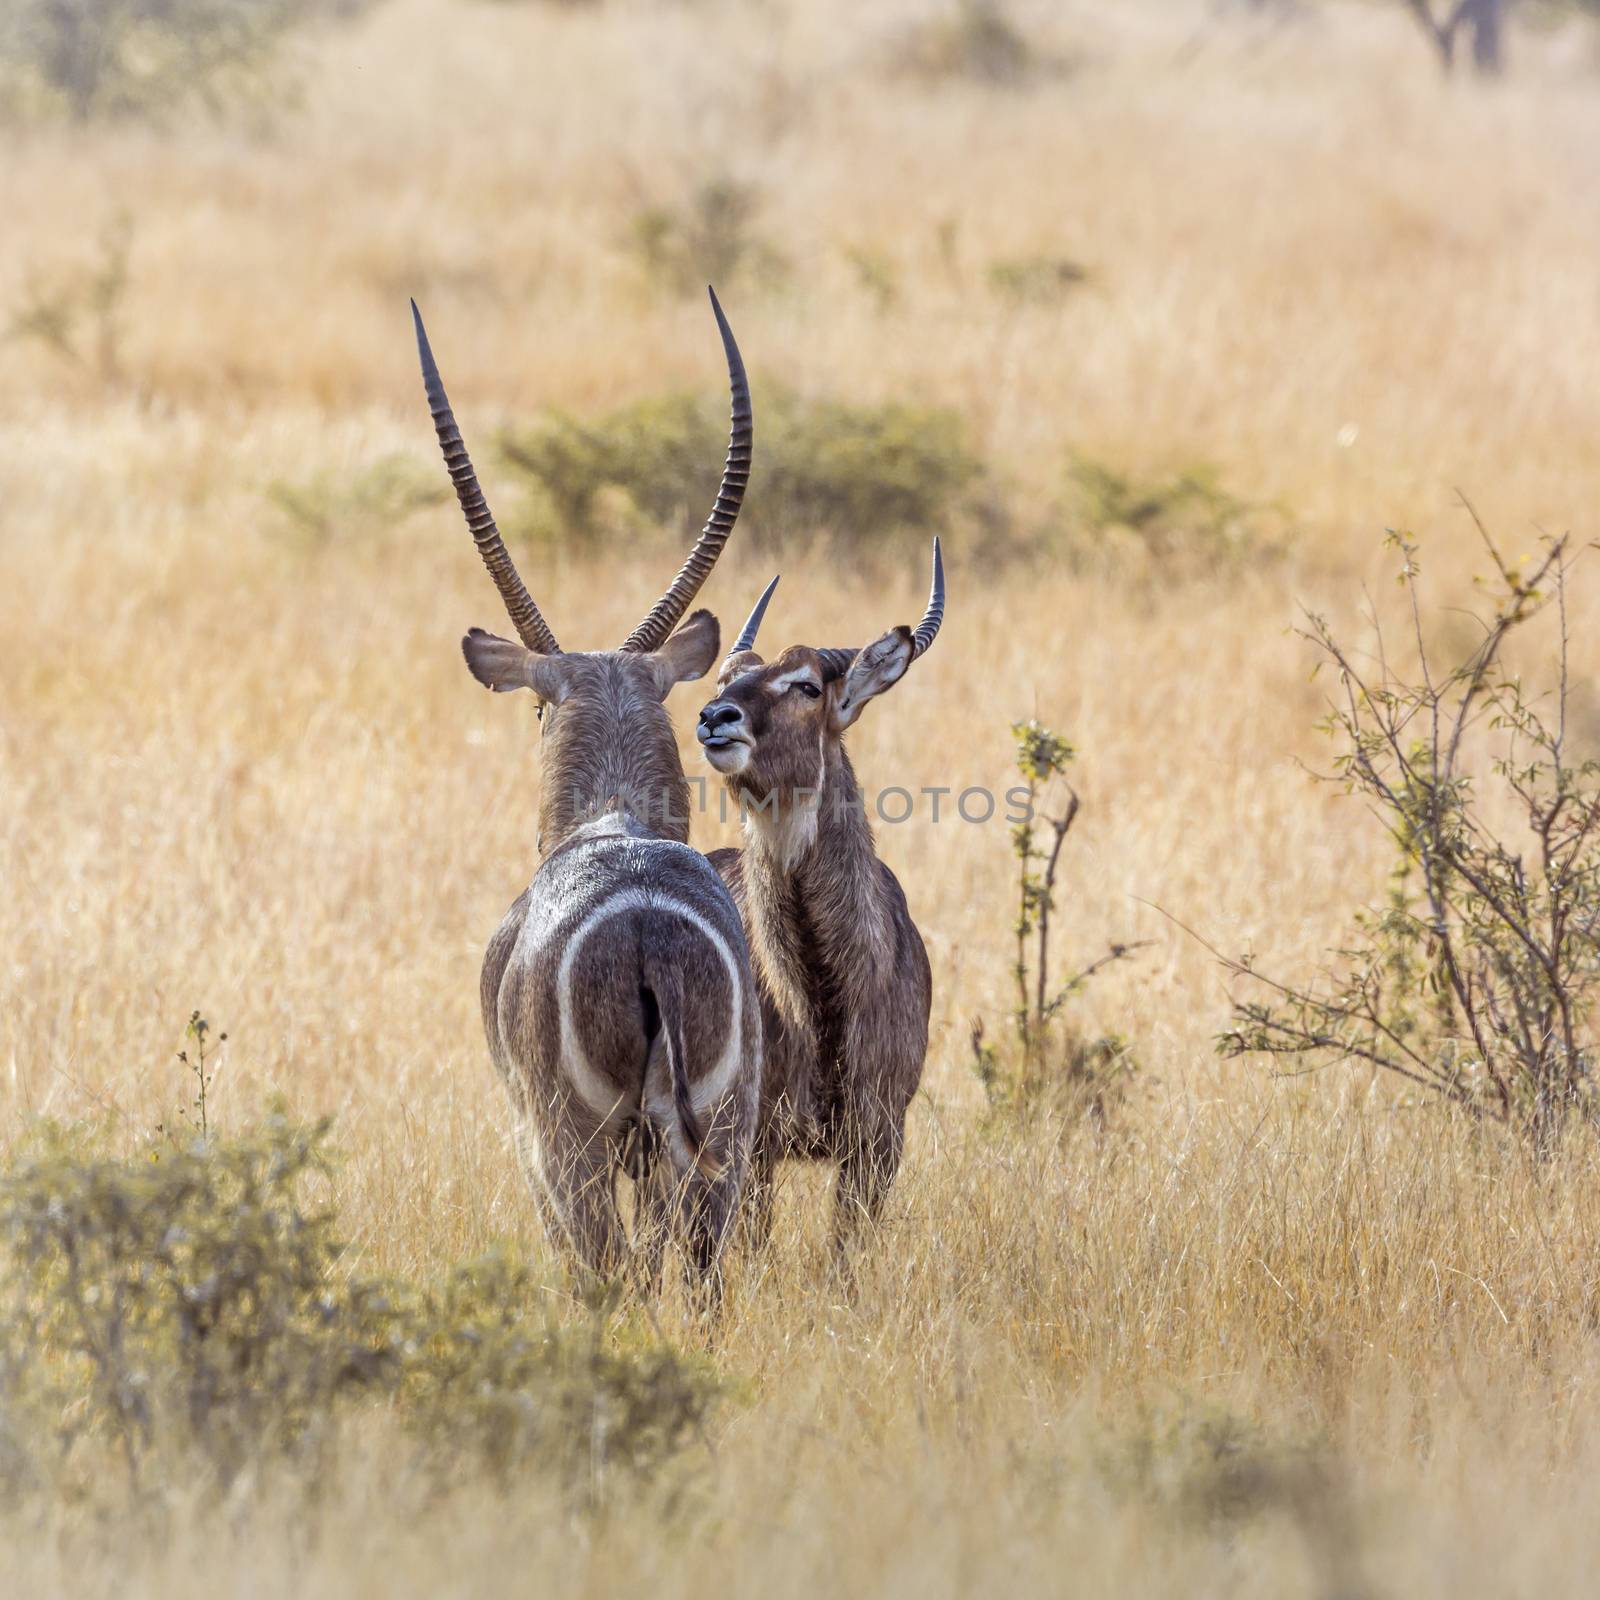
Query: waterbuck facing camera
pixel 845 985
pixel 617 993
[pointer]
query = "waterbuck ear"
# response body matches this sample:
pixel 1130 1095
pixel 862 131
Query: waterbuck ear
pixel 500 665
pixel 688 654
pixel 880 666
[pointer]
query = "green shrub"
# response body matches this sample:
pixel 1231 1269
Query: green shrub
pixel 711 237
pixel 876 275
pixel 1202 1463
pixel 862 471
pixel 497 1382
pixel 974 40
pixel 855 473
pixel 76 312
pixel 190 1321
pixel 184 1307
pixel 1181 521
pixel 321 508
pixel 1036 280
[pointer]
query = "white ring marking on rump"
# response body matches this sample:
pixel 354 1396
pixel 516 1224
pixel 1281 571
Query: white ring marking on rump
pixel 594 1089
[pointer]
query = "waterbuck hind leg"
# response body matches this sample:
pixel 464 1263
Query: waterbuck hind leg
pixel 530 1158
pixel 652 1211
pixel 710 1200
pixel 708 1212
pixel 579 1183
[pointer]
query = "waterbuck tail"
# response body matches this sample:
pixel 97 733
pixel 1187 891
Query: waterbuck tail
pixel 668 988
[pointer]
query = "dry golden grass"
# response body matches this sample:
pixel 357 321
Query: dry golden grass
pixel 241 775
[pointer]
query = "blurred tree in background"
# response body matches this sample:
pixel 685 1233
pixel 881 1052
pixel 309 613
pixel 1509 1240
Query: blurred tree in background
pixel 95 58
pixel 1483 26
pixel 1456 30
pixel 1483 21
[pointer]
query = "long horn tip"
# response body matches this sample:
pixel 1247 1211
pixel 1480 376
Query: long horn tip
pixel 430 368
pixel 717 312
pixel 729 343
pixel 747 634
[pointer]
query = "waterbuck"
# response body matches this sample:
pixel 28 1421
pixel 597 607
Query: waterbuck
pixel 845 983
pixel 617 993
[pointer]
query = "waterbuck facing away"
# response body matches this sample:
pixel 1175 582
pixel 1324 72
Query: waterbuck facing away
pixel 845 984
pixel 617 993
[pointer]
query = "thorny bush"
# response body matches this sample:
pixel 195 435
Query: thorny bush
pixel 1476 980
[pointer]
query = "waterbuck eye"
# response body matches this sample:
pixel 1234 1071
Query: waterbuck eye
pixel 809 690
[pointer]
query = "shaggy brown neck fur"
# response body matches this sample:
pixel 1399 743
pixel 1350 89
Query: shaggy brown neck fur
pixel 819 917
pixel 611 738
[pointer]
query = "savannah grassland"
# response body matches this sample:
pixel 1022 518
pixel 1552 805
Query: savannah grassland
pixel 1262 1336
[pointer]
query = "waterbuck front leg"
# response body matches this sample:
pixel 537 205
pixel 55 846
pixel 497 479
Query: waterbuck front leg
pixel 881 1066
pixel 871 1143
pixel 760 1196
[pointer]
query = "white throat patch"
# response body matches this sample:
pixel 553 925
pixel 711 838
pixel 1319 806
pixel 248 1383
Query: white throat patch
pixel 786 827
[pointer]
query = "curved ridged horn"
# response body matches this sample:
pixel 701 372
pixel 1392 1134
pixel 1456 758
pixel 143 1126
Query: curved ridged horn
pixel 752 626
pixel 927 630
pixel 835 663
pixel 534 631
pixel 651 634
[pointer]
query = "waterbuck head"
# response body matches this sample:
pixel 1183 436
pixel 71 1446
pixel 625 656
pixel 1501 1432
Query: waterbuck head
pixel 605 730
pixel 774 729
